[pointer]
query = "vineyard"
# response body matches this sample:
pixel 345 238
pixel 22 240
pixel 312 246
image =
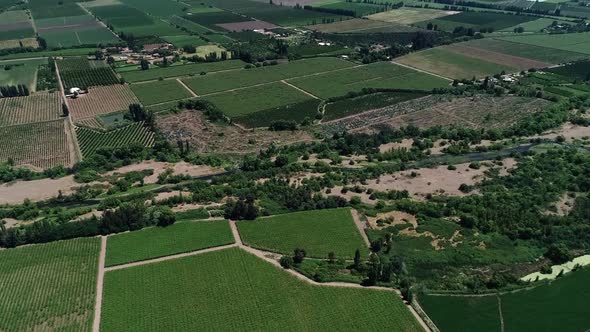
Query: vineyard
pixel 91 140
pixel 82 73
pixel 101 100
pixel 42 144
pixel 34 108
pixel 49 287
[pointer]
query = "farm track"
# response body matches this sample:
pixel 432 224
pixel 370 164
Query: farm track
pixel 74 144
pixel 99 284
pixel 500 312
pixel 422 71
pixel 187 88
pixel 360 225
pixel 301 90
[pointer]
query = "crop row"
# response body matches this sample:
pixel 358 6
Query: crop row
pixel 89 77
pixel 42 144
pixel 34 108
pixel 92 140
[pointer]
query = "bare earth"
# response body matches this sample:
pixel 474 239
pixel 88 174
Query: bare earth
pixel 181 168
pixel 37 190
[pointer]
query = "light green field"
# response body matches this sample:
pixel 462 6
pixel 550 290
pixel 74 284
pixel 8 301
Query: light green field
pixel 534 26
pixel 205 50
pixel 243 78
pixel 318 232
pixel 157 241
pixel 20 72
pixel 376 75
pixel 540 53
pixel 154 73
pixel 544 308
pixel 574 42
pixel 49 287
pixel 159 92
pixel 409 15
pixel 248 100
pixel 14 16
pixel 231 290
pixel 453 65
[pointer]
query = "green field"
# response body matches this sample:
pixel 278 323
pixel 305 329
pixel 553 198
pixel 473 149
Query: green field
pixel 376 75
pixel 15 25
pixel 453 65
pixel 184 40
pixel 408 15
pixel 347 107
pixel 558 306
pixel 293 112
pixel 180 70
pixel 318 232
pixel 159 92
pixel 358 8
pixel 245 101
pixel 14 72
pixel 91 140
pixel 574 42
pixel 243 78
pixel 477 20
pixel 534 26
pixel 49 287
pixel 157 241
pixel 540 53
pixel 231 290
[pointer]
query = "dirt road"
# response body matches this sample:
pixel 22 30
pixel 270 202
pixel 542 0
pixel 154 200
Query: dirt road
pixel 99 284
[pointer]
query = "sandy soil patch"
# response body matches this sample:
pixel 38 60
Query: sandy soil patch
pixel 37 190
pixel 93 213
pixel 337 191
pixel 181 168
pixel 435 181
pixel 570 131
pixel 206 137
pixel 165 195
pixel 392 218
pixel 405 143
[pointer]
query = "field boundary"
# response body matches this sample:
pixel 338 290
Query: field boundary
pixel 422 71
pixel 301 90
pixel 187 88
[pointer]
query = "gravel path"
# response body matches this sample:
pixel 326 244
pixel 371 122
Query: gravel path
pixel 99 284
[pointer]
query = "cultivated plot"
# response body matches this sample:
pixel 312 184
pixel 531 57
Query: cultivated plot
pixel 101 100
pixel 180 70
pixel 573 42
pixel 91 140
pixel 164 241
pixel 38 107
pixel 410 15
pixel 204 290
pixel 319 232
pixel 15 72
pixel 49 287
pixel 377 75
pixel 160 92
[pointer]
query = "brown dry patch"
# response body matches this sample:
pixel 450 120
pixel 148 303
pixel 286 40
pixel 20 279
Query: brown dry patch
pixel 393 218
pixel 93 213
pixel 570 131
pixel 36 190
pixel 337 191
pixel 101 100
pixel 206 137
pixel 181 168
pixel 248 25
pixel 496 57
pixel 405 143
pixel 166 195
pixel 564 205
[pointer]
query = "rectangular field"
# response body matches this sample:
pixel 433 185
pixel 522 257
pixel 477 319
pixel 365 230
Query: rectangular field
pixel 34 108
pixel 82 73
pixel 101 100
pixel 376 75
pixel 573 42
pixel 478 20
pixel 164 241
pixel 248 100
pixel 357 25
pixel 14 72
pixel 319 232
pixel 180 70
pixel 231 290
pixel 49 287
pixel 160 92
pixel 543 308
pixel 41 145
pixel 91 140
pixel 15 25
pixel 495 57
pixel 539 53
pixel 410 15
pixel 218 82
pixel 74 31
pixel 453 65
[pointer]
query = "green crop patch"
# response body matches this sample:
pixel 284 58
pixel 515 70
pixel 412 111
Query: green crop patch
pixel 184 40
pixel 208 289
pixel 91 140
pixel 134 21
pixel 478 20
pixel 245 101
pixel 164 241
pixel 218 82
pixel 573 42
pixel 297 112
pixel 158 8
pixel 180 70
pixel 71 31
pixel 543 308
pixel 82 73
pixel 319 232
pixel 49 286
pixel 378 75
pixel 211 19
pixel 452 64
pixel 50 9
pixel 159 92
pixel 351 106
pixel 15 72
